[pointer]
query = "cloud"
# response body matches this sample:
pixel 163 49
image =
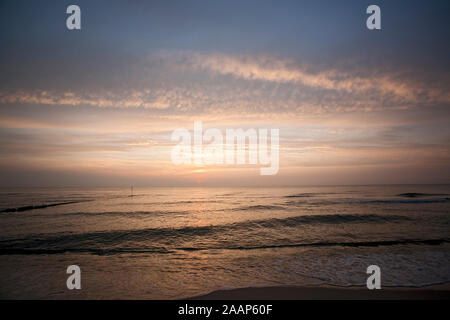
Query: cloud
pixel 220 84
pixel 270 69
pixel 133 99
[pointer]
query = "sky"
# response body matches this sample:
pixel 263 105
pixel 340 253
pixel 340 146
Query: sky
pixel 97 106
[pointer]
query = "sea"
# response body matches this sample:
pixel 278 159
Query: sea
pixel 179 242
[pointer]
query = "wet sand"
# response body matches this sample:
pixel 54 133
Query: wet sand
pixel 329 293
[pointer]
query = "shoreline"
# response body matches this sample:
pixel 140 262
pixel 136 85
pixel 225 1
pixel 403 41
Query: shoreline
pixel 433 292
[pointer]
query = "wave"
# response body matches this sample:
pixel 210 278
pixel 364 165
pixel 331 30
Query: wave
pixel 334 244
pixel 439 200
pixel 364 201
pixel 124 213
pixel 172 236
pixel 20 251
pixel 162 250
pixel 193 201
pixel 259 207
pixel 418 195
pixel 326 219
pixel 41 206
pixel 306 195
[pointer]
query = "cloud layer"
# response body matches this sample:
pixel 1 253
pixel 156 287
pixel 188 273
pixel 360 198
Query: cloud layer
pixel 198 82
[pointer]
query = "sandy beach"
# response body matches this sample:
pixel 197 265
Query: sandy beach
pixel 438 292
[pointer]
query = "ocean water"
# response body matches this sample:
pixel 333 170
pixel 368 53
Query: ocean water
pixel 168 243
